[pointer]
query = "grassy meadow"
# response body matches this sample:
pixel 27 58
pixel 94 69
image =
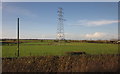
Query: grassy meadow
pixel 44 48
pixel 50 56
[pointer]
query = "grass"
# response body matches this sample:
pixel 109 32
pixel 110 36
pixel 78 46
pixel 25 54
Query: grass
pixel 43 49
pixel 36 43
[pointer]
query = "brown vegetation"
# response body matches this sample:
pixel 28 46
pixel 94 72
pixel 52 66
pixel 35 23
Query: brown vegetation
pixel 76 63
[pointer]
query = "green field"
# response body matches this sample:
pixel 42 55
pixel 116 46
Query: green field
pixel 52 48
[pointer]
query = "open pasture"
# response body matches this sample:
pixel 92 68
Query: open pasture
pixel 44 48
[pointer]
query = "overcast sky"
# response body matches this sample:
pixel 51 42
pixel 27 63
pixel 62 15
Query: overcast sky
pixel 85 20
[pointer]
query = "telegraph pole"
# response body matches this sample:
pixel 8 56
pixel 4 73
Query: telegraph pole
pixel 18 36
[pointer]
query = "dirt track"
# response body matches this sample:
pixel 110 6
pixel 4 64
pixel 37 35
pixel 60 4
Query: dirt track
pixel 83 63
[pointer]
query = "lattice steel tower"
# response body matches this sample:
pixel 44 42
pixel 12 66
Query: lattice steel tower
pixel 60 26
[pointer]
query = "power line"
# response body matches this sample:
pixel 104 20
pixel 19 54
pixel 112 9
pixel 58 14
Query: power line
pixel 60 26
